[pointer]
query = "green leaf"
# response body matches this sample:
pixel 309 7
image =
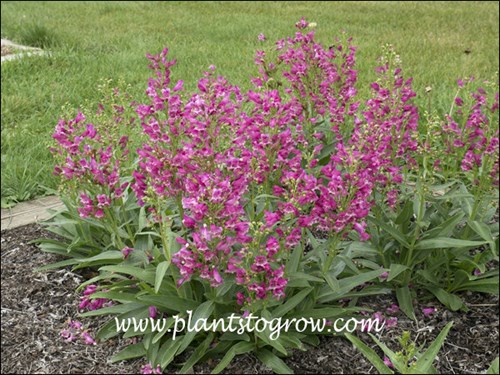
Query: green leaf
pixel 168 351
pixel 299 283
pixel 161 269
pixel 109 329
pixel 403 296
pixel 170 301
pixel 397 235
pixel 347 284
pixel 324 313
pixel 487 285
pixel 395 270
pixel 61 264
pixel 451 301
pixel 304 276
pixel 116 296
pixel 267 196
pixel 203 312
pixel 291 303
pixel 233 336
pixel 445 242
pixel 139 273
pixel 142 219
pixel 272 361
pixel 370 354
pixel 292 263
pixel 398 364
pixel 424 362
pixel 107 255
pixel 446 228
pixel 224 288
pixel 484 232
pixel 405 214
pixel 332 282
pixel 131 351
pixel 116 309
pixel 198 353
pixel 362 249
pixel 237 349
pixel 494 367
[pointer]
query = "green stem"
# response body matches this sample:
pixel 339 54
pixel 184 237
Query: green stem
pixel 114 228
pixel 129 230
pixel 416 232
pixel 332 252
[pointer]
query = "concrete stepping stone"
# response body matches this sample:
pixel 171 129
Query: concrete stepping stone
pixel 30 212
pixel 19 50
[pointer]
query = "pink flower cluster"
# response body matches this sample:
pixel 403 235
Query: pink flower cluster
pixel 250 171
pixel 92 160
pixel 76 331
pixel 92 304
pixel 213 153
pixel 471 137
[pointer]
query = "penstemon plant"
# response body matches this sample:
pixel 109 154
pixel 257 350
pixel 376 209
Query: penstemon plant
pixel 409 360
pixel 280 202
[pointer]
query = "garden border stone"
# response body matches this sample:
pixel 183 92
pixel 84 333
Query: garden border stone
pixel 29 212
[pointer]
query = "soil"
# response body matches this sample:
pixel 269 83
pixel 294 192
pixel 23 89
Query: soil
pixel 35 308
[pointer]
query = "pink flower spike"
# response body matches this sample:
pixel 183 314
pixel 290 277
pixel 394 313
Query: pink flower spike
pixel 428 311
pixel 261 37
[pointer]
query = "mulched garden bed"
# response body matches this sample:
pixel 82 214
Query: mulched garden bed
pixel 35 307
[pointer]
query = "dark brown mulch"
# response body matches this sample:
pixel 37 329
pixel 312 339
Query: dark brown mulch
pixel 35 307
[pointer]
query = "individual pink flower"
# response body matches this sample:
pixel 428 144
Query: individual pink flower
pixel 261 37
pixel 384 275
pixel 126 252
pixel 67 335
pixel 153 312
pixel 429 311
pixel 393 309
pixel 391 322
pixel 378 315
pixel 148 369
pixel 87 339
pixel 388 362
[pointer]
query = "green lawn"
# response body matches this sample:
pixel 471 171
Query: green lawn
pixel 90 41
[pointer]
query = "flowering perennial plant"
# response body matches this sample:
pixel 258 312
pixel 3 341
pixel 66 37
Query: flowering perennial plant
pixel 260 200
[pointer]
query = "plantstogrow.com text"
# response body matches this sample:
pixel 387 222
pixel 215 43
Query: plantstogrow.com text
pixel 250 323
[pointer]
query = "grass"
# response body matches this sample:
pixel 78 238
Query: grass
pixel 90 41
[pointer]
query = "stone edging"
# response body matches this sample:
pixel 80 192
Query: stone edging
pixel 30 212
